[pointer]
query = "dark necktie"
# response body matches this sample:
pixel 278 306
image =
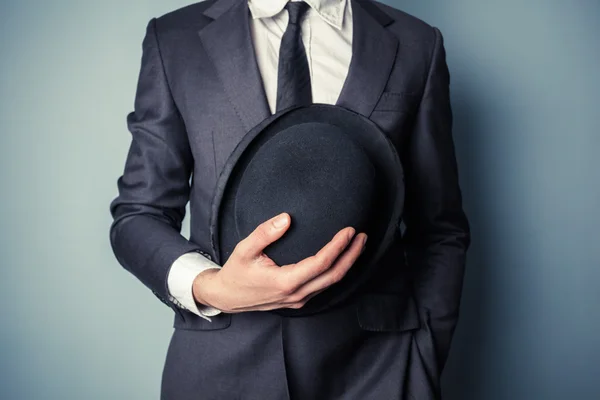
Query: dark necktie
pixel 293 74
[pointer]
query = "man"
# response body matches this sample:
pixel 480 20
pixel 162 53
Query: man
pixel 209 73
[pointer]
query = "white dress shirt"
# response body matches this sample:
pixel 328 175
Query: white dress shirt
pixel 327 36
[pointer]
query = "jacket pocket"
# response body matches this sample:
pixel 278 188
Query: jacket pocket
pixel 190 321
pixel 387 312
pixel 396 101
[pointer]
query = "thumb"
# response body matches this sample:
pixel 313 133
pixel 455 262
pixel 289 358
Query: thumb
pixel 263 235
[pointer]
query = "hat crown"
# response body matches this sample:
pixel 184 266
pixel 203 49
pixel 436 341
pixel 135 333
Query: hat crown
pixel 316 173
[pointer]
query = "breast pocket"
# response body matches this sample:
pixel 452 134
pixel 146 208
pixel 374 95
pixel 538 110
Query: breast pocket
pixel 394 111
pixel 396 102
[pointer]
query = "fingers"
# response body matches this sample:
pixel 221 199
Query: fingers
pixel 297 274
pixel 291 286
pixel 264 234
pixel 331 275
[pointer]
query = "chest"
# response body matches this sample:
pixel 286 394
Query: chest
pixel 220 93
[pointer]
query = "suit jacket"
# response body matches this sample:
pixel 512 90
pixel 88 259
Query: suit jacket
pixel 199 91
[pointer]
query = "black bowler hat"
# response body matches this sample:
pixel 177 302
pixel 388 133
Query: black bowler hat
pixel 326 166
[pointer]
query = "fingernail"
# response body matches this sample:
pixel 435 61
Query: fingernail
pixel 351 233
pixel 280 221
pixel 364 246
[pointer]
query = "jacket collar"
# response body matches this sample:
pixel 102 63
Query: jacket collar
pixel 228 44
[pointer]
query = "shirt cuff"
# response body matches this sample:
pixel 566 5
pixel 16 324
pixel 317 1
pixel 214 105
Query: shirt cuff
pixel 180 283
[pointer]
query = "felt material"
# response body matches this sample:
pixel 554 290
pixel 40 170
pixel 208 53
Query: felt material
pixel 332 167
pixel 318 175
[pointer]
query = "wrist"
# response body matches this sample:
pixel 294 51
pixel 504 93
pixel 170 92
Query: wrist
pixel 201 286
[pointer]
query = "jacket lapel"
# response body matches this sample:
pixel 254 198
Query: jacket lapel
pixel 373 55
pixel 228 43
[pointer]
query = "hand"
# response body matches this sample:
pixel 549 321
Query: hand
pixel 251 281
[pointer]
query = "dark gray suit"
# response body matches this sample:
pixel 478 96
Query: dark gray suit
pixel 199 92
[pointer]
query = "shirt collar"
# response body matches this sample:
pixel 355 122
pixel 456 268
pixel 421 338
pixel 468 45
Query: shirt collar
pixel 332 11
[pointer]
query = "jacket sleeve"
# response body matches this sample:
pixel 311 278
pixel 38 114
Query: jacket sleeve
pixel 154 188
pixel 437 232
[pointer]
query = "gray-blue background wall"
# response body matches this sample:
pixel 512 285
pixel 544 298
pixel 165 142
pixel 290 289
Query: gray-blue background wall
pixel 526 97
